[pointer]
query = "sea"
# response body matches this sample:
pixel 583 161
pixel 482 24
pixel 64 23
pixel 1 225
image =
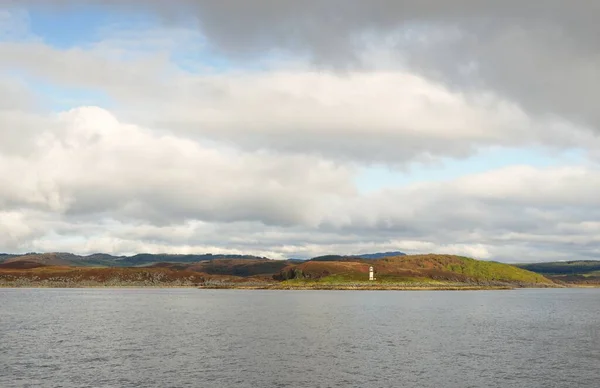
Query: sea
pixel 74 338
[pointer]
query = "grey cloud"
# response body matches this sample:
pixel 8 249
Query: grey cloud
pixel 264 24
pixel 158 192
pixel 77 67
pixel 384 116
pixel 541 59
pixel 544 55
pixel 514 214
pixel 538 61
pixel 546 69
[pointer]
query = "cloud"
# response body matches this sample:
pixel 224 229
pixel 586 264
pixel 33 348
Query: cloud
pixel 18 120
pixel 434 89
pixel 238 25
pixel 90 164
pixel 390 117
pixel 97 184
pixel 14 230
pixel 542 56
pixel 258 153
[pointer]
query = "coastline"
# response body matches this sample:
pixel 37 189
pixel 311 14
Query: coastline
pixel 366 288
pixel 287 286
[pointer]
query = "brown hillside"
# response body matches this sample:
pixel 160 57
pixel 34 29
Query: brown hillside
pixel 445 268
pixel 321 269
pixel 90 276
pixel 230 267
pixel 21 264
pixel 243 268
pixel 52 259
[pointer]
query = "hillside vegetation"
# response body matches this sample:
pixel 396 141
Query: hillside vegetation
pixel 572 272
pixel 233 267
pixel 414 268
pixel 328 272
pixel 53 276
pixel 34 273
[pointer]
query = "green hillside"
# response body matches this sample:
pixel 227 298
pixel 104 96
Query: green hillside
pixel 413 268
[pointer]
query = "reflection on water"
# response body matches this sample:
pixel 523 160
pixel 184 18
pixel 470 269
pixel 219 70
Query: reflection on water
pixel 233 338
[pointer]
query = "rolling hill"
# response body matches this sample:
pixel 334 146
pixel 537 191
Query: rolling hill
pixel 69 277
pixel 413 268
pixel 380 255
pixel 105 260
pixel 64 269
pixel 583 272
pixel 233 267
pixel 38 260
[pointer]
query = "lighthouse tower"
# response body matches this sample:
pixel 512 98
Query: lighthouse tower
pixel 371 274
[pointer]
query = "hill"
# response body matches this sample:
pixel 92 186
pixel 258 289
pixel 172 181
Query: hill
pixel 563 267
pixel 233 267
pixel 105 260
pixel 145 259
pixel 68 277
pixel 585 272
pixel 413 268
pixel 45 259
pixel 331 272
pixel 4 256
pixel 354 257
pixel 381 255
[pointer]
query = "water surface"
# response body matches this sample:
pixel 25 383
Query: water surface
pixel 235 338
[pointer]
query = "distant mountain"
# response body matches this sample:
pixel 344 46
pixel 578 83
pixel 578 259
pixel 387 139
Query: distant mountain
pixel 146 258
pixel 585 272
pixel 331 258
pixel 105 260
pixel 381 255
pixel 39 260
pixel 367 256
pixel 576 267
pixel 4 256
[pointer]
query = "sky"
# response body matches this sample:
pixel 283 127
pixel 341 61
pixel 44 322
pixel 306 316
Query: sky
pixel 294 129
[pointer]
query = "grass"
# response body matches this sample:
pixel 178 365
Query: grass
pixel 493 271
pixel 401 272
pixel 430 269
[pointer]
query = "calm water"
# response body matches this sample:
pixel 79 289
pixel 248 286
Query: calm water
pixel 233 338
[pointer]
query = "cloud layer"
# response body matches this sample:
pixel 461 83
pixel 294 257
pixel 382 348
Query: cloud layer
pixel 243 126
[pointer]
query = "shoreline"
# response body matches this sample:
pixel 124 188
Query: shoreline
pixel 299 287
pixel 352 288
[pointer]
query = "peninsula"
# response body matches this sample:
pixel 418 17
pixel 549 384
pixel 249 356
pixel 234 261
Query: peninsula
pixel 394 271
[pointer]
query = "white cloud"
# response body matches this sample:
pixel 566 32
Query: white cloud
pixel 93 183
pixel 14 229
pixel 260 156
pixel 369 117
pixel 91 164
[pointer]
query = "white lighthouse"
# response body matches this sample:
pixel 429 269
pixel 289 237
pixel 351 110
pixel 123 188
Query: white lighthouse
pixel 371 273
